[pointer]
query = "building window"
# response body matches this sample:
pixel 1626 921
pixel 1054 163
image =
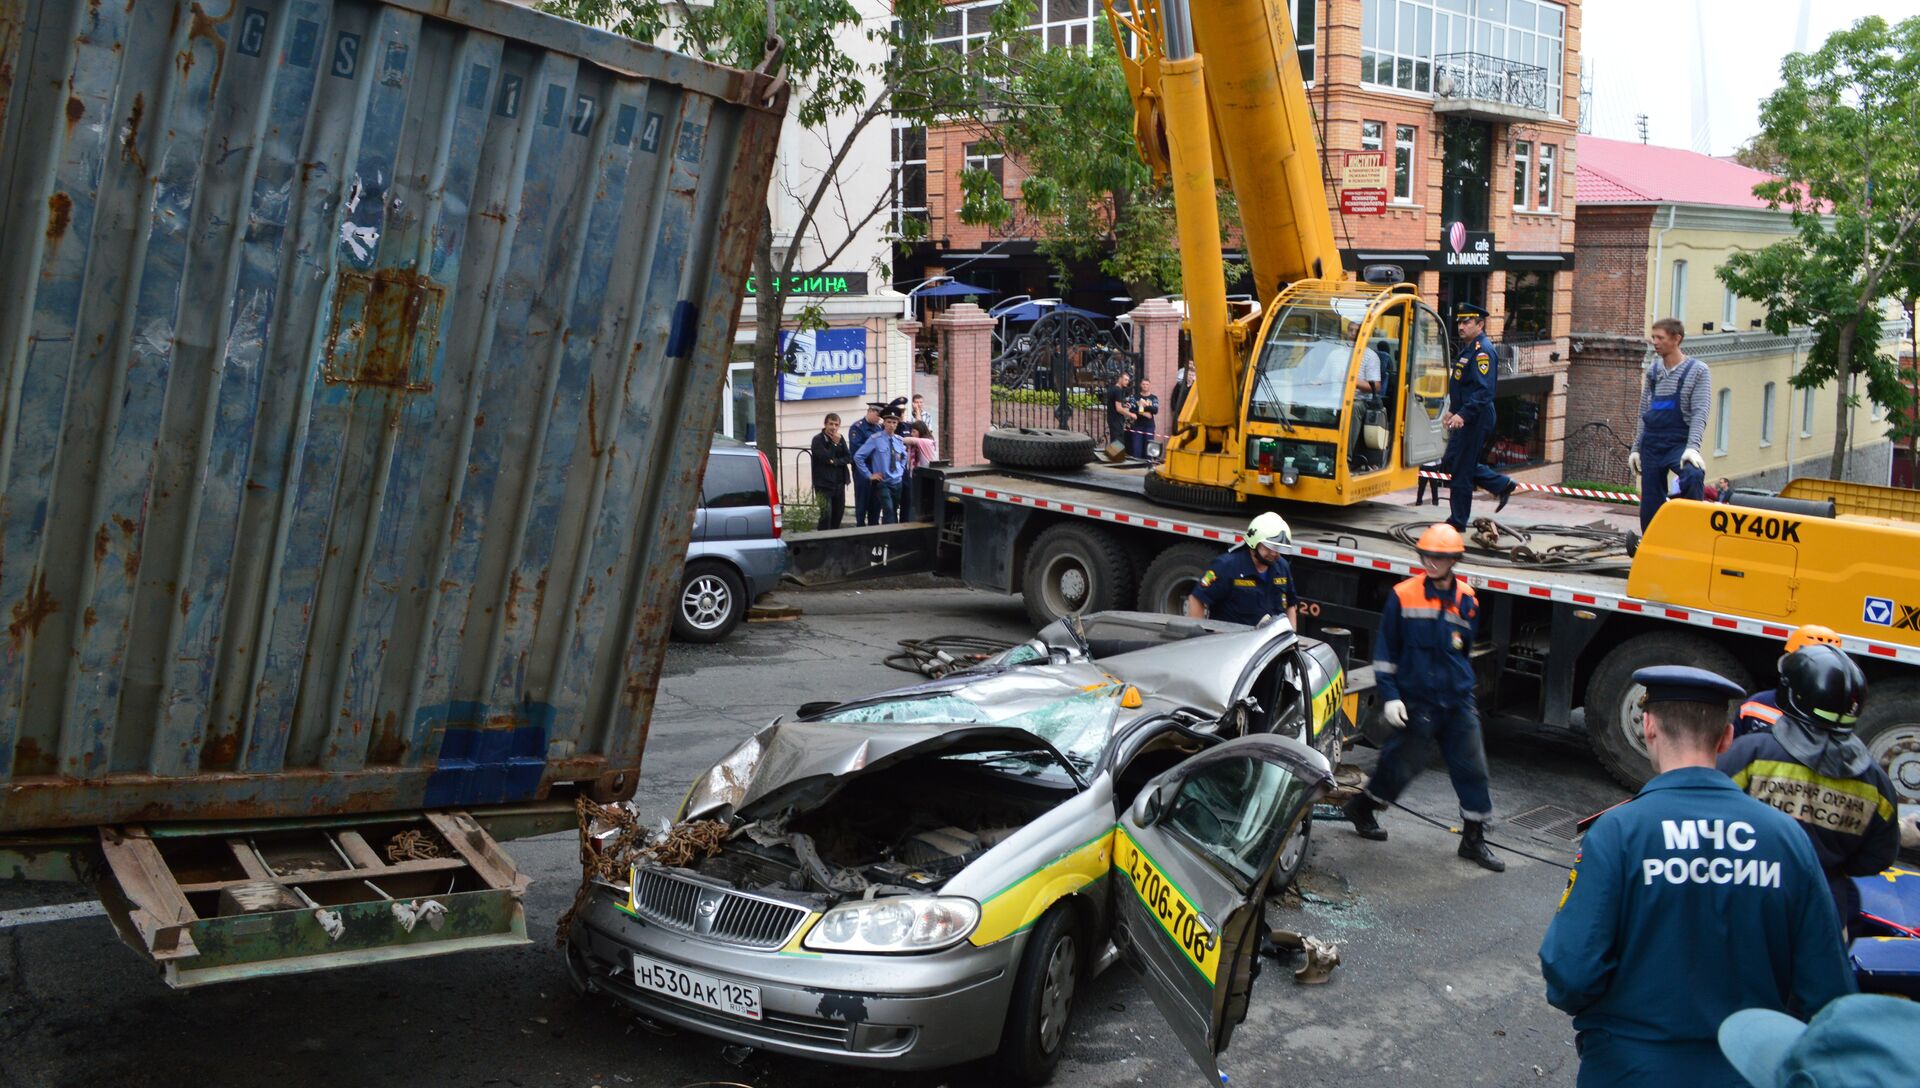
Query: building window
pixel 1373 136
pixel 1806 413
pixel 1722 417
pixel 1520 423
pixel 1529 307
pixel 1399 39
pixel 1730 312
pixel 1396 41
pixel 1677 303
pixel 1766 415
pixel 1059 24
pixel 909 175
pixel 1403 137
pixel 1543 192
pixel 1304 39
pixel 1522 163
pixel 988 157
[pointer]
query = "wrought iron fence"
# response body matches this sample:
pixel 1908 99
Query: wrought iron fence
pixel 1486 78
pixel 1056 375
pixel 1597 454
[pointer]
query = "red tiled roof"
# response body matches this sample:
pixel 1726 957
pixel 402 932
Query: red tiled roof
pixel 1618 171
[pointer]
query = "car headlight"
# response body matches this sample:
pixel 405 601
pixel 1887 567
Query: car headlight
pixel 908 923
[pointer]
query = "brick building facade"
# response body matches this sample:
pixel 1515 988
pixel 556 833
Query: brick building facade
pixel 1654 226
pixel 1477 119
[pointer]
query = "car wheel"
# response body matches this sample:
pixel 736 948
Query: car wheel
pixel 713 600
pixel 1170 578
pixel 1293 857
pixel 1613 699
pixel 1889 726
pixel 1073 570
pixel 1036 1031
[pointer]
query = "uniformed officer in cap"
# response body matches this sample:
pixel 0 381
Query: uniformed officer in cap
pixel 857 436
pixel 1470 418
pixel 1686 904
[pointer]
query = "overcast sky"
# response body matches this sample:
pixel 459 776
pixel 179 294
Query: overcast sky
pixel 1644 56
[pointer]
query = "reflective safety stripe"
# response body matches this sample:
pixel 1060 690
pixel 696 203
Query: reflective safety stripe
pixel 1778 778
pixel 1419 613
pixel 1384 667
pixel 1765 713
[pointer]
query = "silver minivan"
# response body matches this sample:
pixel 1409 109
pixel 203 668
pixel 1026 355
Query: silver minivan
pixel 736 553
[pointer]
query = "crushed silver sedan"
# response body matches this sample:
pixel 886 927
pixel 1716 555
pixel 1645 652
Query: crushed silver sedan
pixel 928 876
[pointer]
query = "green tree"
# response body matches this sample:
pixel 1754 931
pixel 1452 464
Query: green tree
pixel 836 99
pixel 1086 196
pixel 1843 134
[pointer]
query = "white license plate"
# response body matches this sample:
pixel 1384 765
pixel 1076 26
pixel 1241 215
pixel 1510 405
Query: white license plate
pixel 733 998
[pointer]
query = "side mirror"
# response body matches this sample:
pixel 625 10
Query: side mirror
pixel 1150 805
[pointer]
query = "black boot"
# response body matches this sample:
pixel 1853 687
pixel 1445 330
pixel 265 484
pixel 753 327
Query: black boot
pixel 1360 812
pixel 1473 846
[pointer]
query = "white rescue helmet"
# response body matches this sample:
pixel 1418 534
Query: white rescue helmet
pixel 1268 528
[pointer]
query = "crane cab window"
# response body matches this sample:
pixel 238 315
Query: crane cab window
pixel 1308 364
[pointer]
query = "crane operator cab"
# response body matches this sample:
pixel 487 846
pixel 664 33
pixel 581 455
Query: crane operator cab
pixel 1344 393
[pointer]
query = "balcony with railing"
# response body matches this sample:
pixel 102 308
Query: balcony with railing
pixel 1492 88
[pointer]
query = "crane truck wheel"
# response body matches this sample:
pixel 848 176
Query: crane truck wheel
pixel 1036 447
pixel 1889 726
pixel 1204 497
pixel 1075 569
pixel 1613 699
pixel 1170 578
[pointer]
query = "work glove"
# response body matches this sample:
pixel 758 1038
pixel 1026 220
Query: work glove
pixel 1633 462
pixel 1692 457
pixel 1396 713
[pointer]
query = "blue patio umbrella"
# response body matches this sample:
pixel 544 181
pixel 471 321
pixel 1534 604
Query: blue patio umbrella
pixel 1034 311
pixel 950 287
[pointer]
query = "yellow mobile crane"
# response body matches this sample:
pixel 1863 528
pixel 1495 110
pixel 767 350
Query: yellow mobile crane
pixel 1273 412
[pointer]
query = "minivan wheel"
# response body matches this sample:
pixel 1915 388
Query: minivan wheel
pixel 1036 1030
pixel 713 600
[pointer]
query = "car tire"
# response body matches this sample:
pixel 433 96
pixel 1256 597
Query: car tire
pixel 1204 497
pixel 713 601
pixel 1612 702
pixel 1035 1034
pixel 1293 857
pixel 1037 447
pixel 1170 578
pixel 1074 570
pixel 1889 726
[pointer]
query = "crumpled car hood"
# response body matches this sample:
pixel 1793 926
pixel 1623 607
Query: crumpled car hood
pixel 801 764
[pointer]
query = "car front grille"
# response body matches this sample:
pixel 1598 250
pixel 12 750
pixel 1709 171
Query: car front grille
pixel 701 910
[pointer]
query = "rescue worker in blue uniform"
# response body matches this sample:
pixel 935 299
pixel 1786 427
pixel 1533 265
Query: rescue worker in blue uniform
pixel 1423 666
pixel 1761 711
pixel 1674 396
pixel 1810 766
pixel 1470 418
pixel 1686 904
pixel 1247 585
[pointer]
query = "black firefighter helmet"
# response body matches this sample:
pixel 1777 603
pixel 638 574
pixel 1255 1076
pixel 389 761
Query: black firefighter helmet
pixel 1822 686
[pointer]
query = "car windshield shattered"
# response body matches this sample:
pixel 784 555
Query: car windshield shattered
pixel 1078 726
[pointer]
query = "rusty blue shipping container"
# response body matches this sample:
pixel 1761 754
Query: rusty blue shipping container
pixel 357 359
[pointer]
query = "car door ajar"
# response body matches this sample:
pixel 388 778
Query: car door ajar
pixel 1193 855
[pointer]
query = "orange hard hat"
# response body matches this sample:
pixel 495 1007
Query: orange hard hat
pixel 1812 634
pixel 1441 539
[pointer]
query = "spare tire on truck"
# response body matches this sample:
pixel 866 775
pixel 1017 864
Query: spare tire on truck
pixel 1037 447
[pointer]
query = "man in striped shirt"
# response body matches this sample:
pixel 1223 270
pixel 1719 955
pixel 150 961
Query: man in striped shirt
pixel 1673 419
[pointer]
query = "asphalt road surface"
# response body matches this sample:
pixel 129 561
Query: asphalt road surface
pixel 1439 982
